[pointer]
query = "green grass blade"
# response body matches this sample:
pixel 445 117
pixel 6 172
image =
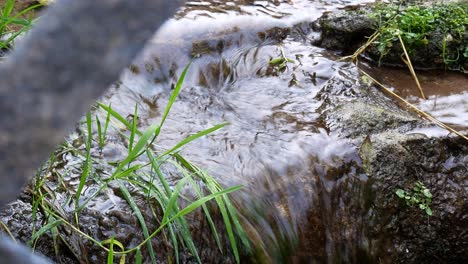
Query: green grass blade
pixel 110 255
pixel 160 196
pixel 240 230
pixel 99 128
pixel 44 229
pixel 194 205
pixel 127 172
pixel 117 116
pixel 192 138
pixel 140 218
pixel 14 18
pixel 18 21
pixel 8 7
pixel 155 165
pixel 175 93
pixel 182 223
pixel 138 256
pixel 133 130
pixel 227 224
pixel 106 125
pixel 230 213
pixel 175 244
pixel 173 199
pixel 200 194
pixel 87 163
pixel 190 208
pixel 140 145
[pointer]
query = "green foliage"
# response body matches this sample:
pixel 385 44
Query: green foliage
pixel 279 64
pixel 418 25
pixel 140 175
pixel 8 19
pixel 419 196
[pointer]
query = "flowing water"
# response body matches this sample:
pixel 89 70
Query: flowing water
pixel 306 197
pixel 304 188
pixel 446 92
pixel 296 176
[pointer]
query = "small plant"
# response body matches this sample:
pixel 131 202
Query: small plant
pixel 12 25
pixel 279 64
pixel 419 196
pixel 102 132
pixel 419 25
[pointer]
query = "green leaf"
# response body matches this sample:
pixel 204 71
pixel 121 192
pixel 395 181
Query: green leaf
pixel 400 193
pixel 117 116
pixel 192 138
pixel 138 256
pixel 44 229
pixel 428 211
pixel 140 218
pixel 427 193
pixel 174 94
pixel 110 256
pixel 277 61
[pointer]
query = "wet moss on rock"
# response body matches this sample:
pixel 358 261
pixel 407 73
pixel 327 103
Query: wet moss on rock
pixel 435 36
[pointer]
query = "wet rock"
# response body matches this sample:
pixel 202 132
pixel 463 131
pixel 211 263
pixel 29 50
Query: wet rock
pixel 348 29
pixel 393 157
pixel 344 30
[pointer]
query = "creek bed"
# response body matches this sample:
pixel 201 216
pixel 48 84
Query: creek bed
pixel 294 141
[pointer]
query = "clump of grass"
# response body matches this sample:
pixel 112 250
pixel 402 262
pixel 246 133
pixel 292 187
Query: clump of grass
pixel 140 170
pixel 12 25
pixel 419 25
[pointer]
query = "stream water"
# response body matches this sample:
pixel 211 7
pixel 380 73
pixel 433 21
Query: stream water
pixel 302 185
pixel 305 197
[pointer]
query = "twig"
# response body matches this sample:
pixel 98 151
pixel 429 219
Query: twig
pixel 7 230
pixel 361 49
pixel 419 111
pixel 410 66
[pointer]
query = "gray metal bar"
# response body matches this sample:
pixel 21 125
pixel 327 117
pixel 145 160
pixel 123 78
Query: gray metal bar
pixel 11 252
pixel 75 51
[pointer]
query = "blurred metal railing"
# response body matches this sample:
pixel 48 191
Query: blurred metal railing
pixel 75 51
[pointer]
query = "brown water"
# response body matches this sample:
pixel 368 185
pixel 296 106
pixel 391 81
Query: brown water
pixel 446 92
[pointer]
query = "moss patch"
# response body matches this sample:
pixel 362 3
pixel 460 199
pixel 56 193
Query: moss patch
pixel 440 26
